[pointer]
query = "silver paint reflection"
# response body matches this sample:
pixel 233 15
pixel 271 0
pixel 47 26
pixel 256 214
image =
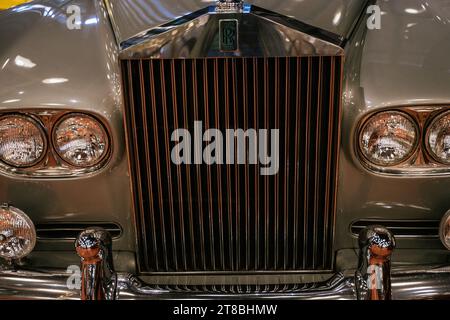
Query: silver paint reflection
pixel 131 17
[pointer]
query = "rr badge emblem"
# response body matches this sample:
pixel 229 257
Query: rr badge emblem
pixel 229 35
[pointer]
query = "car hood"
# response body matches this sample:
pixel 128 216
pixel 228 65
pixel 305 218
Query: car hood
pixel 131 17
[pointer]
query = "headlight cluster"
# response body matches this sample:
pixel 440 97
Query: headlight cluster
pixel 390 138
pixel 78 139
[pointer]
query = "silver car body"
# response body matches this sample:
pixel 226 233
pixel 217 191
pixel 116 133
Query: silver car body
pixel 405 63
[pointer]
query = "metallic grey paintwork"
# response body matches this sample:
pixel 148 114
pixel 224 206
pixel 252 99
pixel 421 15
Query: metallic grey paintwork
pixel 131 17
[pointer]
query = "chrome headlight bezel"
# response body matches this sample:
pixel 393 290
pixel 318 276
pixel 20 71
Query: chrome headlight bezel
pixel 366 121
pixel 38 125
pixel 102 128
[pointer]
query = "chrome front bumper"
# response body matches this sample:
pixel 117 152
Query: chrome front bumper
pixel 96 279
pixel 432 282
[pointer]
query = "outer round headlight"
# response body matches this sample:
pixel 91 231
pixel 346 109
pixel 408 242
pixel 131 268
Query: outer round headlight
pixel 444 230
pixel 22 141
pixel 17 233
pixel 438 138
pixel 80 140
pixel 388 138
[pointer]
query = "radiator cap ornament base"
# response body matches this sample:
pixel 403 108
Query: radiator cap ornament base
pixel 224 6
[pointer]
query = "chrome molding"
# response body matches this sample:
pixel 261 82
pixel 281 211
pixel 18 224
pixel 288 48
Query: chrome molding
pixel 335 287
pixel 262 33
pixel 417 229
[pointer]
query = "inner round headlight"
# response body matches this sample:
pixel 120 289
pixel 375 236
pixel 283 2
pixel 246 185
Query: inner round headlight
pixel 438 138
pixel 388 138
pixel 17 233
pixel 80 140
pixel 22 141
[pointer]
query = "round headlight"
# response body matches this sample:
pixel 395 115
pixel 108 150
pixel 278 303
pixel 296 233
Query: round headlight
pixel 22 141
pixel 438 138
pixel 444 230
pixel 17 233
pixel 80 140
pixel 388 138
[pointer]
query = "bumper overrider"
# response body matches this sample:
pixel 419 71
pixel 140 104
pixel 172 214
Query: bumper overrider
pixel 374 279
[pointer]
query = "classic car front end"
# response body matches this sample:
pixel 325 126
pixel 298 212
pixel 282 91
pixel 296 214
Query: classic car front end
pixel 225 149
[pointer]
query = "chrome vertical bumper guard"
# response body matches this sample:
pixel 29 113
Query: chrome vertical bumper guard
pixel 98 279
pixel 373 277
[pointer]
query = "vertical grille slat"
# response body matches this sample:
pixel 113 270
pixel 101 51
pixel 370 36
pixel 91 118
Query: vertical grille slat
pixel 328 184
pixel 246 94
pixel 266 208
pixel 317 163
pixel 158 166
pixel 256 83
pixel 212 253
pixel 307 164
pixel 149 166
pixel 298 112
pixel 135 147
pixel 228 167
pixel 189 191
pixel 277 178
pixel 168 179
pixel 230 217
pixel 217 124
pixel 179 186
pixel 286 198
pixel 196 107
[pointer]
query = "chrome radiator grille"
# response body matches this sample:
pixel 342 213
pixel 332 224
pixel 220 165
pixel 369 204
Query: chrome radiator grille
pixel 229 217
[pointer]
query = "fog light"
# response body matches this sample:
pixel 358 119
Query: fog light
pixel 444 230
pixel 17 233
